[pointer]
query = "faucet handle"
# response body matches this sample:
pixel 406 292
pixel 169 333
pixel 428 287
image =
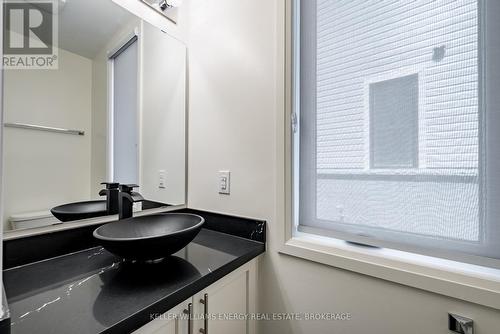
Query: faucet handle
pixel 111 185
pixel 128 187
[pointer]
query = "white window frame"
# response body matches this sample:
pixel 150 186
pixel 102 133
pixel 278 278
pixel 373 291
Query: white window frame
pixel 468 282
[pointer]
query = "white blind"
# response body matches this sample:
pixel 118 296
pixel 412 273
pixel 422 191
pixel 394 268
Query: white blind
pixel 428 196
pixel 125 113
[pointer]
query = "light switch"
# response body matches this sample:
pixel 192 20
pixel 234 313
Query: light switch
pixel 224 182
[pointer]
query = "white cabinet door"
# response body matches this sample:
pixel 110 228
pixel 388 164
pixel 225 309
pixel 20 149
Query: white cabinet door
pixel 175 321
pixel 230 303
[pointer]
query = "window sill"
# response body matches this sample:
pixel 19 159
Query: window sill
pixel 472 283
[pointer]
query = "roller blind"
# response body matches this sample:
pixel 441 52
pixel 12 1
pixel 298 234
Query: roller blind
pixel 391 144
pixel 125 114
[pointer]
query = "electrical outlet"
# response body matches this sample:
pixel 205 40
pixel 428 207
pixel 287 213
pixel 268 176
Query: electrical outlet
pixel 224 182
pixel 162 179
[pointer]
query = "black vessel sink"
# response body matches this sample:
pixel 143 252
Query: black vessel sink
pixel 149 237
pixel 79 210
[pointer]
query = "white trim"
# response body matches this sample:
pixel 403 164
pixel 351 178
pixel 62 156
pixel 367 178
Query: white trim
pixel 476 284
pixel 285 89
pixel 140 56
pixel 110 119
pixel 186 125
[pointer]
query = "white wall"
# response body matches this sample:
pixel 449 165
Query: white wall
pixel 44 169
pixel 99 123
pixel 236 96
pixel 163 116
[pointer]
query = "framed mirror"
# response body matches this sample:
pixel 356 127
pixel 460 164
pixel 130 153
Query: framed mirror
pixel 112 109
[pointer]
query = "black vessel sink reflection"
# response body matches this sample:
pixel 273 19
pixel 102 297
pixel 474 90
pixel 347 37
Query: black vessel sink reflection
pixel 165 276
pixel 149 237
pixel 79 210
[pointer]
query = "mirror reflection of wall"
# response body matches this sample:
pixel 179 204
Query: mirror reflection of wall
pixel 128 100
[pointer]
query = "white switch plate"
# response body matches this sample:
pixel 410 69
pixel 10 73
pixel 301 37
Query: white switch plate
pixel 224 182
pixel 161 179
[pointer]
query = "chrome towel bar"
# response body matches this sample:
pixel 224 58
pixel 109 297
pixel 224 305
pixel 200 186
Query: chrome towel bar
pixel 44 128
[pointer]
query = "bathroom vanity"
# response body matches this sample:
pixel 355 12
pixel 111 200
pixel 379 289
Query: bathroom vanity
pixel 226 306
pixel 209 285
pixel 110 118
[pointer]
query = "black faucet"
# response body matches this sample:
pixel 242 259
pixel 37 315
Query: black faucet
pixel 111 192
pixel 127 198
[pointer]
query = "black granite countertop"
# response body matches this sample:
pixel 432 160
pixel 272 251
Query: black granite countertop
pixel 92 291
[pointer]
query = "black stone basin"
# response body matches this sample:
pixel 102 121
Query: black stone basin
pixel 149 237
pixel 79 210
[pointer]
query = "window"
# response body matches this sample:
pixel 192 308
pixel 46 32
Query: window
pixel 391 145
pixel 393 123
pixel 124 128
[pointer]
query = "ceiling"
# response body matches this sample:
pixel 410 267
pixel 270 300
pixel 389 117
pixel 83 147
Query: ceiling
pixel 85 26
